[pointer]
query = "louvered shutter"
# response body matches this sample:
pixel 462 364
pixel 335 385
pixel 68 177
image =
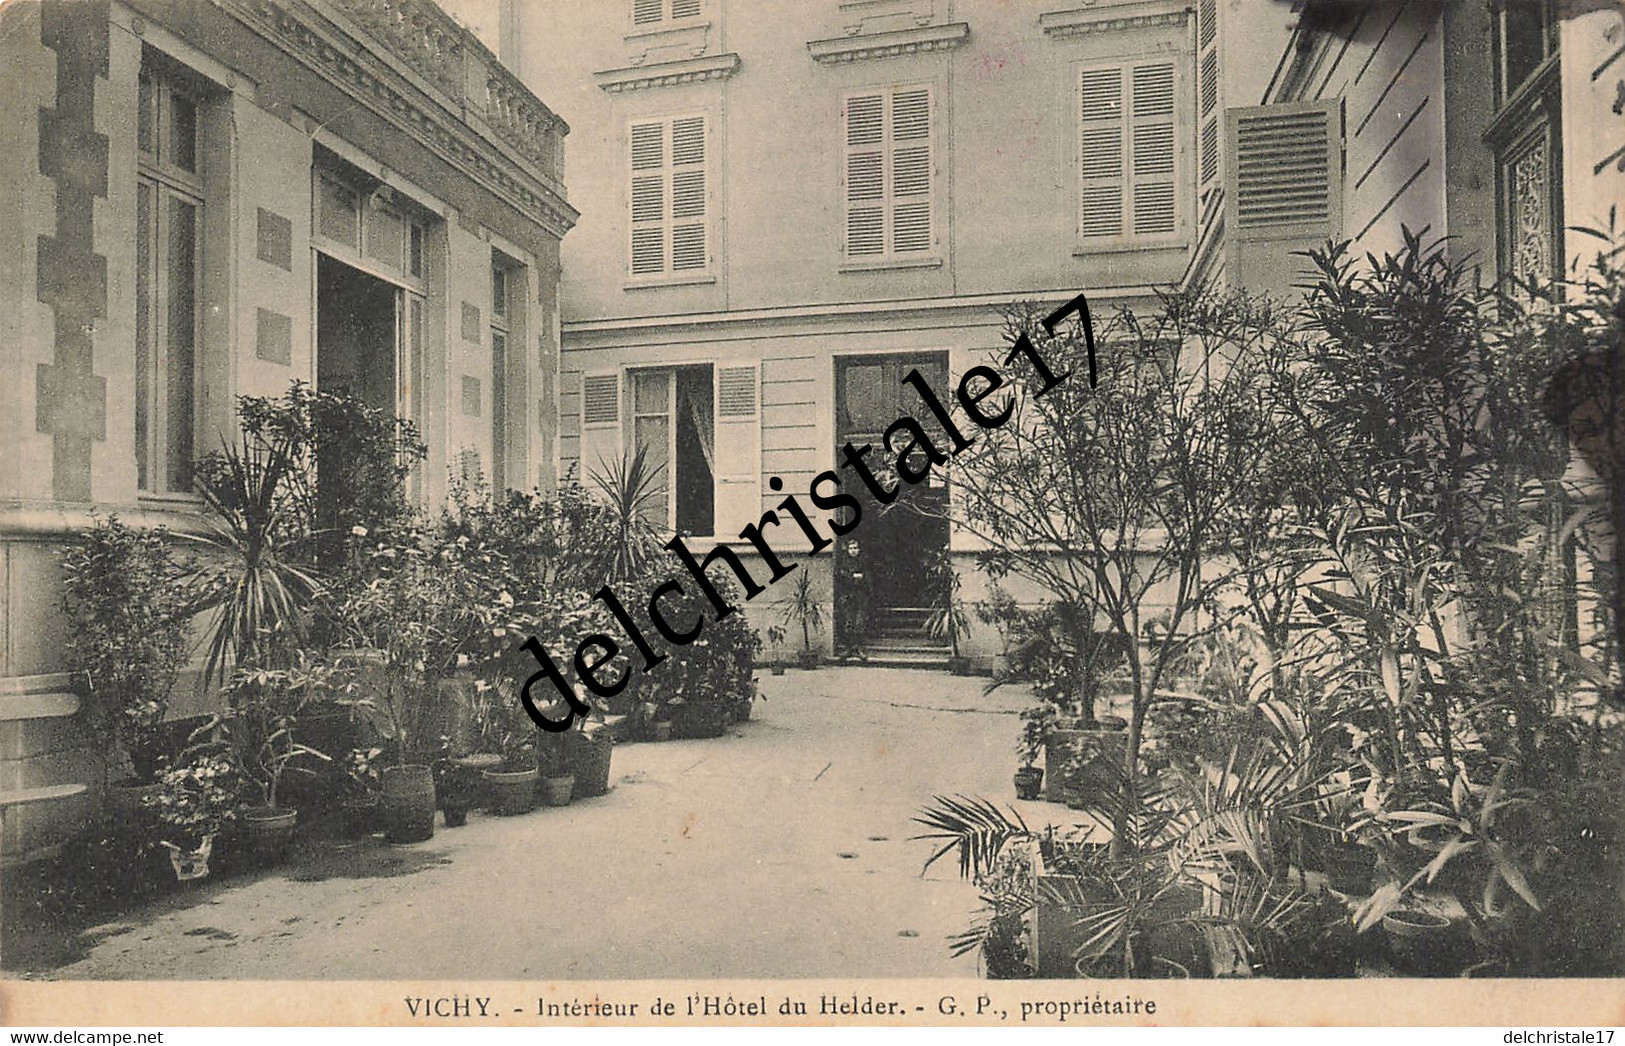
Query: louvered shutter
pixel 1152 146
pixel 1100 153
pixel 738 454
pixel 1283 185
pixel 648 198
pixel 685 8
pixel 600 422
pixel 865 180
pixel 1284 166
pixel 648 12
pixel 669 197
pixel 911 170
pixel 688 194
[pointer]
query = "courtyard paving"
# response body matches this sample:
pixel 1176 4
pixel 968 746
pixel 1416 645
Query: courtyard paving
pixel 779 850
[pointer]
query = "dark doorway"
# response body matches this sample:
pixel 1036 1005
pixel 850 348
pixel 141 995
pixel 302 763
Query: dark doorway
pixel 356 333
pixel 888 577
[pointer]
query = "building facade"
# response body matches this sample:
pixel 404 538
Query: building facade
pixel 216 199
pixel 1499 124
pixel 795 205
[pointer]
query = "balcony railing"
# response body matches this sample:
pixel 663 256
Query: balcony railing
pixel 451 58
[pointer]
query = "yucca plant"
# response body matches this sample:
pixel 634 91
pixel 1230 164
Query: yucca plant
pixel 256 586
pixel 632 491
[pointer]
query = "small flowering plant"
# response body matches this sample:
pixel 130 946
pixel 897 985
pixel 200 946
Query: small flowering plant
pixel 361 774
pixel 197 799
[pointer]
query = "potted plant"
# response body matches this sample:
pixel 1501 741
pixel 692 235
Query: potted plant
pixel 803 610
pixel 194 801
pixel 360 793
pixel 775 639
pixel 558 780
pixel 948 618
pixel 1420 942
pixel 742 707
pixel 262 719
pixel 456 785
pixel 512 785
pixel 1029 778
pixel 589 750
pixel 127 604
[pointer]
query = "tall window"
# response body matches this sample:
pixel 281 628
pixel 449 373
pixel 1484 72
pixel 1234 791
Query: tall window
pixel 169 219
pixel 1526 137
pixel 1126 153
pixel 657 12
pixel 500 298
pixel 670 197
pixel 673 422
pixel 889 174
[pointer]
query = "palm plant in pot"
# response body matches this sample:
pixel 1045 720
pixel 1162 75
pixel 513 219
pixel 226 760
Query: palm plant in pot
pixel 804 611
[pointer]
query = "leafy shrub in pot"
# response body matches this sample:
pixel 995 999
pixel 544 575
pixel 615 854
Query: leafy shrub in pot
pixel 128 603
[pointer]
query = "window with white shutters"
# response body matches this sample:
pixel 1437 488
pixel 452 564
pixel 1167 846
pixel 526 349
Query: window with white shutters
pixel 649 13
pixel 1126 152
pixel 669 197
pixel 889 174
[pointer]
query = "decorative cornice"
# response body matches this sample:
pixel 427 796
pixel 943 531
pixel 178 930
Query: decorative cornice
pixel 1060 25
pixel 667 74
pixel 891 44
pixel 528 182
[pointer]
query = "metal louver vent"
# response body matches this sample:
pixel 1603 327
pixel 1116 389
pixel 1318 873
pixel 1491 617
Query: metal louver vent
pixel 1283 168
pixel 601 400
pixel 736 392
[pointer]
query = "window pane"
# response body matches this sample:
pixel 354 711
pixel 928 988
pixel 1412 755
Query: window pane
pixel 180 357
pixel 499 291
pixel 183 133
pixel 1524 40
pixel 143 333
pixel 653 434
pixel 416 259
pixel 338 217
pixel 385 231
pixel 649 395
pixel 146 121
